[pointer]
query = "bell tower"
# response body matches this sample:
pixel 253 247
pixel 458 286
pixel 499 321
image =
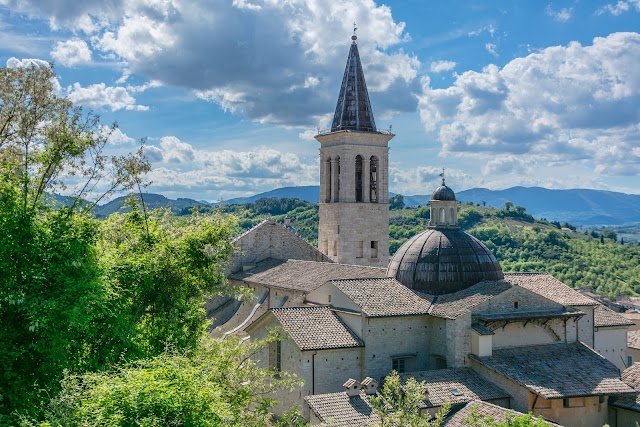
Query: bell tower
pixel 354 182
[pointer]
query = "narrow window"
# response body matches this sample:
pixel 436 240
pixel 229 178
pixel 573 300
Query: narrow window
pixel 335 248
pixel 442 216
pixel 275 356
pixel 278 356
pixel 515 304
pixel 324 247
pixel 373 180
pixel 327 180
pixel 359 196
pixel 337 180
pixel 374 249
pixel 451 216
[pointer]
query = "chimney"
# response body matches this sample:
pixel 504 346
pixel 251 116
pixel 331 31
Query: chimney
pixel 369 385
pixel 287 221
pixel 352 387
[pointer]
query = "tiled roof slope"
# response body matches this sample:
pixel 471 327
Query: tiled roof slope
pixel 305 276
pixel 556 371
pixel 603 317
pixel 460 385
pixel 338 409
pixel 383 297
pixel 481 410
pixel 631 402
pixel 549 287
pixel 316 328
pixel 633 339
pixel 631 375
pixel 450 306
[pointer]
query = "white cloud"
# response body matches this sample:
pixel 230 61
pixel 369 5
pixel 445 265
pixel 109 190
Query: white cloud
pixel 425 179
pixel 619 8
pixel 491 48
pixel 563 104
pixel 71 53
pixel 441 66
pixel 115 136
pixel 102 96
pixel 562 15
pixel 259 58
pixel 26 62
pixel 488 28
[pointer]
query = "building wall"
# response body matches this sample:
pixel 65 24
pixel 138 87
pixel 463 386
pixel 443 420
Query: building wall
pixel 325 371
pixel 534 332
pixel 634 353
pixel 270 240
pixel 587 412
pixel 585 325
pixel 611 343
pixel 527 301
pixel 519 395
pixel 619 417
pixel 388 337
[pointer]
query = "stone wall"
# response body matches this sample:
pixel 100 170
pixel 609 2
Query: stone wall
pixel 271 240
pixel 582 411
pixel 611 343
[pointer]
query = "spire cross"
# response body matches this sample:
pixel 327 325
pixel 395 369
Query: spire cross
pixel 442 175
pixel 354 37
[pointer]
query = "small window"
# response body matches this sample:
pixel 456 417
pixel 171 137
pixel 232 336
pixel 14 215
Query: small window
pixel 629 360
pixel 439 362
pixel 360 249
pixel 515 304
pixel 275 356
pixel 399 364
pixel 374 249
pixel 574 402
pixel 335 248
pixel 338 229
pixel 456 392
pixel 329 298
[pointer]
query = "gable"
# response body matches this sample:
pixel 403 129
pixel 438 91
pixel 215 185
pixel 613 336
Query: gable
pixel 271 240
pixel 527 301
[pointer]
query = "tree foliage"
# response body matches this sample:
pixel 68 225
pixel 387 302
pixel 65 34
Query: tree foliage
pixel 511 420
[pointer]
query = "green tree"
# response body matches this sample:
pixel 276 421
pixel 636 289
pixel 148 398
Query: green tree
pixel 511 420
pixel 216 385
pixel 397 404
pixel 48 264
pixel 396 202
pixel 508 205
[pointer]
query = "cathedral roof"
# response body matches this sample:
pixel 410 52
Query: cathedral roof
pixel 383 297
pixel 303 276
pixel 353 110
pixel 458 385
pixel 549 287
pixel 451 306
pixel 441 261
pixel 316 328
pixel 556 371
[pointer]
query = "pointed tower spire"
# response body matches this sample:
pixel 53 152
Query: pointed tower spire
pixel 353 111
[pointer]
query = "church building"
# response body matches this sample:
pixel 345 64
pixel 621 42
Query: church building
pixel 441 310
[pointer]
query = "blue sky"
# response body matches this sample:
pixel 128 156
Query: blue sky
pixel 229 94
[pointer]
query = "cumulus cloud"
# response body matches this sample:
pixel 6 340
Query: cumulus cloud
pixel 425 179
pixel 259 58
pixel 26 62
pixel 442 66
pixel 232 173
pixel 71 53
pixel 102 96
pixel 115 136
pixel 491 48
pixel 619 8
pixel 563 104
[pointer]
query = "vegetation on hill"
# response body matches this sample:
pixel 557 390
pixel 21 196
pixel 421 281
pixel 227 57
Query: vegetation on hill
pixel 520 242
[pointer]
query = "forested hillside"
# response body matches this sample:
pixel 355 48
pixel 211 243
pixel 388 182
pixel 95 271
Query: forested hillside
pixel 520 242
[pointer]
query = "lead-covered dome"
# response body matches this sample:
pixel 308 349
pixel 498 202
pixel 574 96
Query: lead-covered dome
pixel 443 193
pixel 442 261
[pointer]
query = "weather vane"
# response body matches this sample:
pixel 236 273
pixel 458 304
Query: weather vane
pixel 442 175
pixel 354 37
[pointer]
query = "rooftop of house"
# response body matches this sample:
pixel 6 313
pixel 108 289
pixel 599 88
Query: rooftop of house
pixel 373 296
pixel 451 306
pixel 555 371
pixel 605 317
pixel 633 340
pixel 340 409
pixel 549 287
pixel 316 328
pixel 631 375
pixel 457 386
pixel 303 276
pixel 480 411
pixel 630 402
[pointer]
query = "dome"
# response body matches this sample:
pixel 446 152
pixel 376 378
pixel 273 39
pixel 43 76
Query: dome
pixel 443 193
pixel 442 261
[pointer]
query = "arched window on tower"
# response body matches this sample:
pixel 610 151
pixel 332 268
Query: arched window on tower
pixel 443 219
pixel 451 216
pixel 327 180
pixel 359 196
pixel 373 179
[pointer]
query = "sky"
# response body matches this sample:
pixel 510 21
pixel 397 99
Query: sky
pixel 229 94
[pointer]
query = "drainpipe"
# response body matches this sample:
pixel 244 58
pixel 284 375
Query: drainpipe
pixel 313 372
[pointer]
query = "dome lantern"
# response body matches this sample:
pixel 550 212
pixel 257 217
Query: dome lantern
pixel 444 207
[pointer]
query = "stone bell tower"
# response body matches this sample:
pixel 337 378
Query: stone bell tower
pixel 354 182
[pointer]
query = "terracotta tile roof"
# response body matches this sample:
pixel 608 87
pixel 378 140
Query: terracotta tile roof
pixel 556 371
pixel 631 375
pixel 316 328
pixel 549 287
pixel 338 409
pixel 633 339
pixel 459 385
pixel 604 317
pixel 481 410
pixel 530 315
pixel 450 306
pixel 631 402
pixel 383 297
pixel 481 329
pixel 305 276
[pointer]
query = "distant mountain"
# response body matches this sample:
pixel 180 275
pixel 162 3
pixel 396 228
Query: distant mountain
pixel 153 201
pixel 579 206
pixel 309 193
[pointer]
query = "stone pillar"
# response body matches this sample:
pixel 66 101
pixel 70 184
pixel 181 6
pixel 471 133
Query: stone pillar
pixel 324 172
pixel 335 195
pixel 366 179
pixel 348 178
